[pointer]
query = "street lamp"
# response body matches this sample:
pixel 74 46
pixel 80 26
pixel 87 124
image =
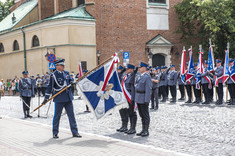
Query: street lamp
pixel 98 55
pixel 150 54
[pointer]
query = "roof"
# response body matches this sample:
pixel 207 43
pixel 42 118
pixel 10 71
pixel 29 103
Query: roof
pixel 19 13
pixel 75 13
pixel 159 40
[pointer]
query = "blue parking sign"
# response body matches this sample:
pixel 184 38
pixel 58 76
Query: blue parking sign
pixel 125 55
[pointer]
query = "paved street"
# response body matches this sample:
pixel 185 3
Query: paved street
pixel 185 128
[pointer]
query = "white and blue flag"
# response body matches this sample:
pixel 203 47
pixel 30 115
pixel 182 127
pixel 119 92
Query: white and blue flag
pixel 102 89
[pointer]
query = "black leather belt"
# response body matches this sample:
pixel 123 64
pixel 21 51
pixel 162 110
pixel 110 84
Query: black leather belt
pixel 141 92
pixel 128 90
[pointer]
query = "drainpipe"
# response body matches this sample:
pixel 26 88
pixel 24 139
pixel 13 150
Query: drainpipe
pixel 25 61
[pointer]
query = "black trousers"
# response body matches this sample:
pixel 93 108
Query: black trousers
pixel 144 113
pixel 44 90
pixel 206 91
pixel 163 89
pixel 132 113
pixel 39 91
pixel 167 91
pixel 189 91
pixel 231 89
pixel 181 88
pixel 27 101
pixel 211 92
pixel 124 113
pixel 220 91
pixel 197 92
pixel 154 98
pixel 173 91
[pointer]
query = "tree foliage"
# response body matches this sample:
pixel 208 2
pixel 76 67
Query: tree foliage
pixel 5 8
pixel 204 19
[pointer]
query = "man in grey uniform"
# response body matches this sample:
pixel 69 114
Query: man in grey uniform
pixel 172 81
pixel 129 81
pixel 218 72
pixel 163 83
pixel 155 88
pixel 143 90
pixel 197 92
pixel 26 89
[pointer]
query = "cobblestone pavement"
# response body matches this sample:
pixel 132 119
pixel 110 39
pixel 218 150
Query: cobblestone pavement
pixel 186 128
pixel 24 138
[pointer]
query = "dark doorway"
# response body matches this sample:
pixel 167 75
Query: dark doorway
pixel 158 60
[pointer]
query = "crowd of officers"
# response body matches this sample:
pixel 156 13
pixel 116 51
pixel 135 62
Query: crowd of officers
pixel 146 84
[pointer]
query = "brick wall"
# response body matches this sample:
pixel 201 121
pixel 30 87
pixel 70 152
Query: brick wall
pixel 46 8
pixel 63 5
pixel 122 25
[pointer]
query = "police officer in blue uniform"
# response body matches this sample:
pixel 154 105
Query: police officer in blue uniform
pixel 155 88
pixel 26 89
pixel 143 90
pixel 58 80
pixel 172 81
pixel 218 72
pixel 231 85
pixel 129 84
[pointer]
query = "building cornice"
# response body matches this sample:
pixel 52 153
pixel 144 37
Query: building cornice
pixel 44 47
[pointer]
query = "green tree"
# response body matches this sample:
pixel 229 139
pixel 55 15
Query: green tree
pixel 204 19
pixel 5 8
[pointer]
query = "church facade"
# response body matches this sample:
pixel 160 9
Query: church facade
pixel 77 29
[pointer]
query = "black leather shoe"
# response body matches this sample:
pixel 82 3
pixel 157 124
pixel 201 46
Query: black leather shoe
pixel 123 129
pixel 145 133
pixel 119 129
pixel 139 134
pixel 55 136
pixel 189 101
pixel 77 135
pixel 131 131
pixel 29 116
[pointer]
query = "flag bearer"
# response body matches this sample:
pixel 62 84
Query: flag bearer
pixel 218 72
pixel 205 83
pixel 58 80
pixel 231 85
pixel 181 86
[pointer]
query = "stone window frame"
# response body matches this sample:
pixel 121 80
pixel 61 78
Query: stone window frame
pixel 158 5
pixel 1 48
pixel 35 41
pixel 16 46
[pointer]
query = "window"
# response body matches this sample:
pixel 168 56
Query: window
pixel 84 65
pixel 81 2
pixel 157 1
pixel 35 41
pixel 1 47
pixel 15 45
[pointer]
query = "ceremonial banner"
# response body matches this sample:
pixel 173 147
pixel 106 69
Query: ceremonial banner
pixel 199 71
pixel 211 62
pixel 182 67
pixel 226 67
pixel 102 90
pixel 190 72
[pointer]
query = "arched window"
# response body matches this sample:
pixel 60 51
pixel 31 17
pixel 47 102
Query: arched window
pixel 15 45
pixel 1 47
pixel 35 41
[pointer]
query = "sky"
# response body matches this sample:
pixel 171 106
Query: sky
pixel 2 0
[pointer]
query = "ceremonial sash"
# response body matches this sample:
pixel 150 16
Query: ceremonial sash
pixel 217 80
pixel 126 93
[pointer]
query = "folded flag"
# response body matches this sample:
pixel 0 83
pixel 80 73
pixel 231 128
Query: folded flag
pixel 199 71
pixel 102 89
pixel 232 73
pixel 182 67
pixel 211 63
